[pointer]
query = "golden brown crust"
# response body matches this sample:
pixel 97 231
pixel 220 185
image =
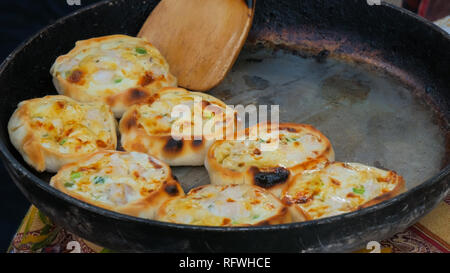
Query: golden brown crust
pixel 145 207
pixel 119 98
pixel 175 152
pixel 25 140
pixel 221 175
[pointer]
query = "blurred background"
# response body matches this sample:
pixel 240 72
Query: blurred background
pixel 19 19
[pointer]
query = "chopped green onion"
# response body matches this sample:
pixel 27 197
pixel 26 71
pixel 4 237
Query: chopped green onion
pixel 260 140
pixel 359 190
pixel 255 217
pixel 291 139
pixel 68 184
pixel 63 141
pixel 141 50
pixel 75 175
pixel 99 180
pixel 118 81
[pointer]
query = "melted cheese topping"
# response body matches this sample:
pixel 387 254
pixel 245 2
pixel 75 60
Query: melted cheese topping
pixel 157 118
pixel 110 65
pixel 235 205
pixel 114 179
pixel 338 188
pixel 66 126
pixel 293 148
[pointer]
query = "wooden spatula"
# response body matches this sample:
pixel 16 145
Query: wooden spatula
pixel 200 39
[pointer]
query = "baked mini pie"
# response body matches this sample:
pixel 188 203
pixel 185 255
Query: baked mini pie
pixel 339 188
pixel 178 140
pixel 55 130
pixel 228 205
pixel 119 70
pixel 135 184
pixel 268 155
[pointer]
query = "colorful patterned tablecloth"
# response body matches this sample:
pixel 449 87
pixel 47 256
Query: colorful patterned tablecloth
pixel 38 234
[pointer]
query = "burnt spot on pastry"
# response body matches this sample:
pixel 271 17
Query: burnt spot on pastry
pixel 61 104
pixel 76 76
pixel 197 143
pixel 137 94
pixel 171 189
pixel 268 179
pixel 352 195
pixel 226 221
pixel 205 104
pixel 101 144
pixel 173 146
pixel 284 211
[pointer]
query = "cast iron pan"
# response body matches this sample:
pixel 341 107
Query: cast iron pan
pixel 374 79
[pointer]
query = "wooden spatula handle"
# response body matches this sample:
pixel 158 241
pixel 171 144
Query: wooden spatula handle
pixel 200 39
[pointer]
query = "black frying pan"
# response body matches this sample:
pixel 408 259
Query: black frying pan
pixel 374 79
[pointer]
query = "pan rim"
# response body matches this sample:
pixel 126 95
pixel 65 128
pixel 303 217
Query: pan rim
pixel 11 159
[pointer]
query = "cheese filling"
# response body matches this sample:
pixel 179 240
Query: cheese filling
pixel 115 178
pixel 223 206
pixel 339 188
pixel 292 149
